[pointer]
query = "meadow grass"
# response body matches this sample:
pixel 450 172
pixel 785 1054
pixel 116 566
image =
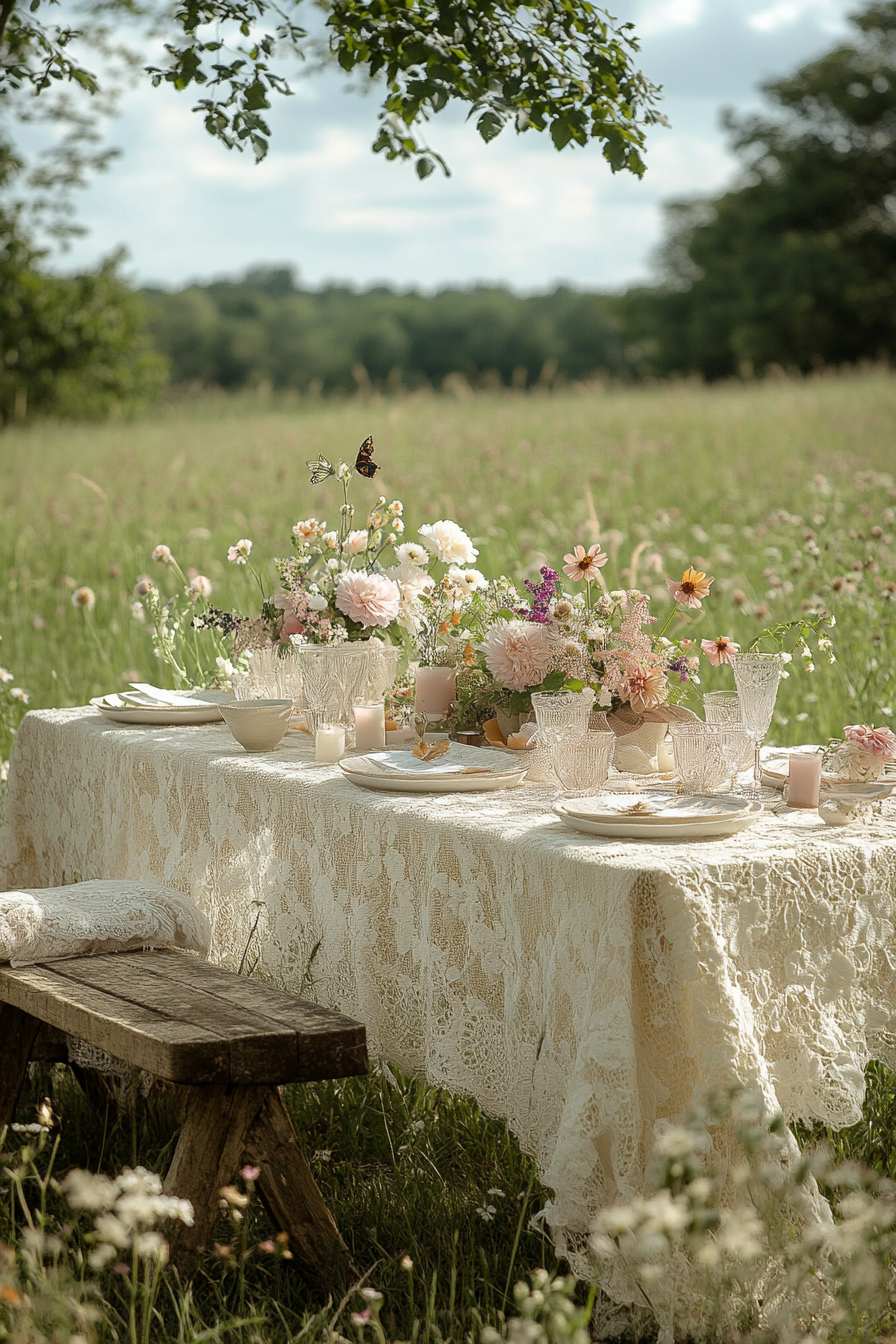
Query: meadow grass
pixel 734 478
pixel 784 491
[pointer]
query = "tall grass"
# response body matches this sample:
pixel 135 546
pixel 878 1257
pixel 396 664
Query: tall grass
pixel 733 478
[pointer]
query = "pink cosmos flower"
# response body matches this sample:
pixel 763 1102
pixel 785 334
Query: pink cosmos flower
pixel 250 1173
pixel 719 650
pixel 580 564
pixel 517 653
pixel 879 741
pixel 369 599
pixel 162 554
pixel 691 588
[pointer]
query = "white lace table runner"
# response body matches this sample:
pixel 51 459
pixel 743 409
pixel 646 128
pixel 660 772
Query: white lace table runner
pixel 585 989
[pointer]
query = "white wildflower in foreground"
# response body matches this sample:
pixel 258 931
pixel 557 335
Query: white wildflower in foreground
pixel 129 1210
pixel 448 542
pixel 239 554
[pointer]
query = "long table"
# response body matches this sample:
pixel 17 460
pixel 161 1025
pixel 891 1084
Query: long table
pixel 589 991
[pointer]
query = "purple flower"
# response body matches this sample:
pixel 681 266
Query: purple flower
pixel 681 666
pixel 542 593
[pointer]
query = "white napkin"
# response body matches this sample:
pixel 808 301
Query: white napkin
pixel 456 761
pixel 154 697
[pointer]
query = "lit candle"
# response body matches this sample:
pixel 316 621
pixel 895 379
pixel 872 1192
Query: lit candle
pixel 329 742
pixel 370 725
pixel 804 780
pixel 434 690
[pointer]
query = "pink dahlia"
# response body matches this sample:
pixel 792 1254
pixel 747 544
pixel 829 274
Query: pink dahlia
pixel 879 741
pixel 517 653
pixel 369 599
pixel 719 650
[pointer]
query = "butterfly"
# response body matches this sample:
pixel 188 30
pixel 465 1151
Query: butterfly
pixel 425 752
pixel 363 463
pixel 320 470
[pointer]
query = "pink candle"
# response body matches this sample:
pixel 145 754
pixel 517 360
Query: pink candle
pixel 804 780
pixel 370 725
pixel 435 688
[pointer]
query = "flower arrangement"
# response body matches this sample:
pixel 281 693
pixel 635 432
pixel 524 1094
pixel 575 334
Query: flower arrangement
pixel 338 584
pixel 862 754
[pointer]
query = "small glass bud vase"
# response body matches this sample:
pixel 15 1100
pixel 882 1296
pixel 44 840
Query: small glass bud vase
pixel 435 689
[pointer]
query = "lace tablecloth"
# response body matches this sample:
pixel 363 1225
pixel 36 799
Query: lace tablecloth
pixel 587 990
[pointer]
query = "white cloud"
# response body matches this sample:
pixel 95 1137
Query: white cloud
pixel 661 16
pixel 827 14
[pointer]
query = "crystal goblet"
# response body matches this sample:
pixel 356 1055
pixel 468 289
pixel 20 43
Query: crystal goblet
pixel 756 676
pixel 708 756
pixel 721 707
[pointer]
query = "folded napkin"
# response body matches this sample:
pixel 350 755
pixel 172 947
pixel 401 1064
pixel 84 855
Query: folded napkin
pixel 457 761
pixel 154 697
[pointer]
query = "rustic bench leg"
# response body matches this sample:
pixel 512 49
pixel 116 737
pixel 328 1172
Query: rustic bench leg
pixel 225 1126
pixel 291 1197
pixel 207 1156
pixel 18 1032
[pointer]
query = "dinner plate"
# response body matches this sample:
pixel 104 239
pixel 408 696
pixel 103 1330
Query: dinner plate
pixel 626 829
pixel 119 711
pixel 656 808
pixel 389 781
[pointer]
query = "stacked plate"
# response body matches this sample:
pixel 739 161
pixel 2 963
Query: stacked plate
pixel 152 705
pixel 460 770
pixel 659 816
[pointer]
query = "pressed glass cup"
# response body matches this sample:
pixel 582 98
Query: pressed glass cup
pixel 721 707
pixel 581 761
pixel 708 756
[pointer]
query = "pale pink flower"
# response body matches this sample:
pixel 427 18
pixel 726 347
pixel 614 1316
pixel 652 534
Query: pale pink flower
pixel 581 564
pixel 356 542
pixel 448 542
pixel 200 586
pixel 250 1173
pixel 84 598
pixel 267 1246
pixel 360 1317
pixel 144 586
pixel 369 599
pixel 646 689
pixel 692 587
pixel 239 554
pixel 879 741
pixel 517 653
pixel 719 650
pixel 309 528
pixel 162 554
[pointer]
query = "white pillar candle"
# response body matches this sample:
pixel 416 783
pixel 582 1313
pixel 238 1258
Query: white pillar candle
pixel 434 690
pixel 665 757
pixel 370 725
pixel 804 780
pixel 329 742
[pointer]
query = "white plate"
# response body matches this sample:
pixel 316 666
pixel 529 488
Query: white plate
pixel 687 830
pixel 135 714
pixel 659 809
pixel 387 783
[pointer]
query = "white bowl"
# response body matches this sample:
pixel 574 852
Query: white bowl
pixel 258 725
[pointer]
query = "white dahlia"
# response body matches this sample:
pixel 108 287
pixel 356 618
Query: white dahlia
pixel 448 542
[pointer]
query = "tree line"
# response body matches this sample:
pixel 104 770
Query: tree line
pixel 793 266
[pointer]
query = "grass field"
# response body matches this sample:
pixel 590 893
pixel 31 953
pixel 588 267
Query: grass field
pixel 784 491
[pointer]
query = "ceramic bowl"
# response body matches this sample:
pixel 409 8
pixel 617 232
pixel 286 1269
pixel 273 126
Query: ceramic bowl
pixel 258 725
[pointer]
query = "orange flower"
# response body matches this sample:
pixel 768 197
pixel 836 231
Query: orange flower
pixel 646 689
pixel 719 650
pixel 694 586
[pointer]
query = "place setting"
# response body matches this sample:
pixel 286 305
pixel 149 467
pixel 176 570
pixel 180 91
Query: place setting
pixel 155 706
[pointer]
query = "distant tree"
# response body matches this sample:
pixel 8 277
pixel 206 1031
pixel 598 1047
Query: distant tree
pixel 264 328
pixel 796 264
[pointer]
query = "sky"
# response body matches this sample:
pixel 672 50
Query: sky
pixel 515 211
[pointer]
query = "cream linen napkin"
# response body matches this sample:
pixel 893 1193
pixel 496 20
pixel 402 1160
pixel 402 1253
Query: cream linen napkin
pixel 458 760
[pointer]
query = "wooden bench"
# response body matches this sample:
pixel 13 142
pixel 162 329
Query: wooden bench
pixel 229 1041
